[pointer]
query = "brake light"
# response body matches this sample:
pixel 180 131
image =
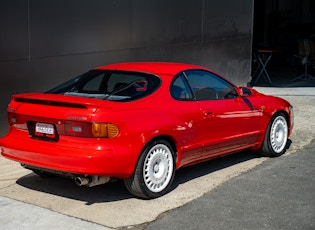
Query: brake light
pixel 78 129
pixel 86 129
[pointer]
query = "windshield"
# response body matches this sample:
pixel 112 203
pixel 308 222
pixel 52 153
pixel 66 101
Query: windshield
pixel 110 85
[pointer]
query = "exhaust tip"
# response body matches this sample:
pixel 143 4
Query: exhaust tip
pixel 91 180
pixel 80 181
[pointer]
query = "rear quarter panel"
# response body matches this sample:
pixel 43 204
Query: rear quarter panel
pixel 158 116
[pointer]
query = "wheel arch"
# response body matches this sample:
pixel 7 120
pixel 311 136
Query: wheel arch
pixel 167 138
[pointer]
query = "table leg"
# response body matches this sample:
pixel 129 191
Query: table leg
pixel 263 65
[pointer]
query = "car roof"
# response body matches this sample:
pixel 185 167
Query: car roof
pixel 157 68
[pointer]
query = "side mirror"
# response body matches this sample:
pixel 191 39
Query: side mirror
pixel 245 91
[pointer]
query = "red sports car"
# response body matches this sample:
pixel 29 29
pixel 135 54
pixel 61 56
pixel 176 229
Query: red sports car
pixel 140 122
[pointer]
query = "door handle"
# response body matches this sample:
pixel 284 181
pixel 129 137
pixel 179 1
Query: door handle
pixel 207 113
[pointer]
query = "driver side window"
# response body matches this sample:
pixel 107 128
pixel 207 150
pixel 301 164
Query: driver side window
pixel 208 86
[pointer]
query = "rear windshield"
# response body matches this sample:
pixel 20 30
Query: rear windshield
pixel 110 85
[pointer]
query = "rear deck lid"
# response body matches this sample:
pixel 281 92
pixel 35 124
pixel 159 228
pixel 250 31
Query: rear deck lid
pixel 53 106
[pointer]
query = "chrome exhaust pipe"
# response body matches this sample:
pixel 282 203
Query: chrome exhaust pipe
pixel 91 181
pixel 80 181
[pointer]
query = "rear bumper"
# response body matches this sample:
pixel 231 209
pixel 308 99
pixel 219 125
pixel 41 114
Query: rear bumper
pixel 98 160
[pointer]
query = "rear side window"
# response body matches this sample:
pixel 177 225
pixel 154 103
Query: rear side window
pixel 180 89
pixel 110 85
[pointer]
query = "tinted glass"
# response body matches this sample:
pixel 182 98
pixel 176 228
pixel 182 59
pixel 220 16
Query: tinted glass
pixel 208 86
pixel 110 85
pixel 180 89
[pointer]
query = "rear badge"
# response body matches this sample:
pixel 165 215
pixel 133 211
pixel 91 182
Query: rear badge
pixel 77 118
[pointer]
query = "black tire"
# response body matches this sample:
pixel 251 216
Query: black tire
pixel 276 137
pixel 154 172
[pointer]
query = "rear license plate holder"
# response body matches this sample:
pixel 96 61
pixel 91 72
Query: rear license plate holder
pixel 43 131
pixel 44 128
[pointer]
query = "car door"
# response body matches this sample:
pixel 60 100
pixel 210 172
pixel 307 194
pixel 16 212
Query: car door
pixel 189 121
pixel 229 121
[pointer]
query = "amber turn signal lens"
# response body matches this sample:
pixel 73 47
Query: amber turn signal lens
pixel 104 130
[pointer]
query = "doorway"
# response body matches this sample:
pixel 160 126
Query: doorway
pixel 286 28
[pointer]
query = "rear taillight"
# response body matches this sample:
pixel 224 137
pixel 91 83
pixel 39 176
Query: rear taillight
pixel 78 129
pixel 86 129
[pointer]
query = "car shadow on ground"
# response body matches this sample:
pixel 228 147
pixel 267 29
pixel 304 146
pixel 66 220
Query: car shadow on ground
pixel 115 191
pixel 186 174
pixel 65 187
pixel 189 173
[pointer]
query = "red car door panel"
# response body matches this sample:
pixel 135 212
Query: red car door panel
pixel 228 124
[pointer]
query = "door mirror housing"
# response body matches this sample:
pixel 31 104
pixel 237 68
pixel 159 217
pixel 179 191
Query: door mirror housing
pixel 245 91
